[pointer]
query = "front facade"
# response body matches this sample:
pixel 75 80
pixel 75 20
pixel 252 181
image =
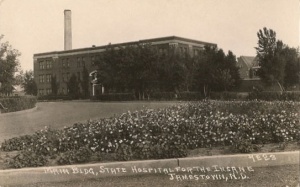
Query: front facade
pixel 62 64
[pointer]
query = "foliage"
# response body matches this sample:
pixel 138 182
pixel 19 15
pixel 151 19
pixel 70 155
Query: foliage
pixel 73 87
pixel 272 96
pixel 27 159
pixel 28 83
pixel 85 82
pixel 278 62
pixel 168 132
pixel 52 97
pixel 216 71
pixel 81 155
pixel 9 65
pixel 54 85
pixel 14 104
pixel 115 97
pixel 144 70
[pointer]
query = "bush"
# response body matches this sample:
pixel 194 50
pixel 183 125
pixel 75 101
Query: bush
pixel 228 96
pixel 54 97
pixel 114 97
pixel 165 96
pixel 14 104
pixel 81 155
pixel 190 96
pixel 272 96
pixel 27 159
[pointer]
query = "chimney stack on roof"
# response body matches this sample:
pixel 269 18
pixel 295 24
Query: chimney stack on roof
pixel 68 30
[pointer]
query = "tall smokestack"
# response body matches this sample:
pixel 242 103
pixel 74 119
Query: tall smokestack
pixel 68 30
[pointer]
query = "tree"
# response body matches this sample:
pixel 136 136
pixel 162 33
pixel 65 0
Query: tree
pixel 54 85
pixel 9 65
pixel 85 82
pixel 292 67
pixel 271 61
pixel 73 86
pixel 216 71
pixel 29 84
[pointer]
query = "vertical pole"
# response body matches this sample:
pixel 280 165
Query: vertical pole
pixel 93 89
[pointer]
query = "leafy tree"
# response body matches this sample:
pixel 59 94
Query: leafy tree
pixel 85 82
pixel 216 71
pixel 9 65
pixel 28 83
pixel 54 85
pixel 292 68
pixel 73 86
pixel 271 61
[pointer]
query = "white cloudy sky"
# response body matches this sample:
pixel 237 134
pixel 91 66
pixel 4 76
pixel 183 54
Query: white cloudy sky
pixel 35 26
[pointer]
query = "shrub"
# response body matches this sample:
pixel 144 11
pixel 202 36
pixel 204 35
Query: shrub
pixel 81 155
pixel 190 96
pixel 273 96
pixel 14 104
pixel 166 96
pixel 54 97
pixel 27 159
pixel 114 97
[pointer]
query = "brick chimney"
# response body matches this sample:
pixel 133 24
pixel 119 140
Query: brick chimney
pixel 68 30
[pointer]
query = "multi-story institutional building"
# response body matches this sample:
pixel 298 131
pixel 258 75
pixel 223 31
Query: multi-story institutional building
pixel 62 64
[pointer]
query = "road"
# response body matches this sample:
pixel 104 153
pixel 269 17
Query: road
pixel 60 114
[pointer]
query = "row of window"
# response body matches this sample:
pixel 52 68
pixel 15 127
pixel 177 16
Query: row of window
pixel 45 78
pixel 65 62
pixel 62 91
pixel 45 91
pixel 47 64
pixel 65 77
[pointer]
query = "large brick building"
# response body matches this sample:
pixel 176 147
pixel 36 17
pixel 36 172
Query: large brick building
pixel 62 64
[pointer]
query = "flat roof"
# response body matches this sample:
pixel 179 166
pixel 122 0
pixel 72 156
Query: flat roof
pixel 127 43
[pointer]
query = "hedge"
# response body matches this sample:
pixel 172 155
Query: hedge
pixel 114 97
pixel 18 103
pixel 54 97
pixel 271 96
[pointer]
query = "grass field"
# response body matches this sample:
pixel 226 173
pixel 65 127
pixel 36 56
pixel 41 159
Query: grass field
pixel 59 114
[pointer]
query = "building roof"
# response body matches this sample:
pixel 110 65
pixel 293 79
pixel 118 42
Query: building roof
pixel 174 38
pixel 250 61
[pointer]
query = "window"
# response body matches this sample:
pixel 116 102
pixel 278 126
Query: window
pixel 63 63
pixel 83 61
pixel 93 60
pixel 42 65
pixel 68 62
pixel 48 91
pixel 48 77
pixel 41 92
pixel 48 64
pixel 68 76
pixel 41 78
pixel 196 52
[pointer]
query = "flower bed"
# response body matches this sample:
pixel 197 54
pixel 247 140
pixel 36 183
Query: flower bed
pixel 162 133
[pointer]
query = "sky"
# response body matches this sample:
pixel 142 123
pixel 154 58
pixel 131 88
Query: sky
pixel 36 26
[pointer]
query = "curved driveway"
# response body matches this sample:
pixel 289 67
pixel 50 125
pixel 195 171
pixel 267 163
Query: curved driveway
pixel 60 114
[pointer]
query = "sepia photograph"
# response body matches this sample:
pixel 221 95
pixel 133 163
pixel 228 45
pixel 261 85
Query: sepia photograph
pixel 168 93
